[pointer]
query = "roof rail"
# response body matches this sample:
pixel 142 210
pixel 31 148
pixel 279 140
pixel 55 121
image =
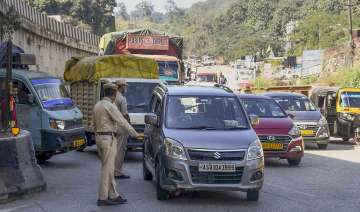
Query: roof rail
pixel 227 89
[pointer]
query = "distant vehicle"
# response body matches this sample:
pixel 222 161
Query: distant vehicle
pixel 141 74
pixel 279 136
pixel 44 108
pixel 200 138
pixel 313 125
pixel 341 108
pixel 165 49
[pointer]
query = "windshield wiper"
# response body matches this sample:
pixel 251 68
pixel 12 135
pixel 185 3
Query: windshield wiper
pixel 235 128
pixel 137 106
pixel 203 128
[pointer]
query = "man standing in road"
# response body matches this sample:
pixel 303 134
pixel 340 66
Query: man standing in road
pixel 106 120
pixel 121 104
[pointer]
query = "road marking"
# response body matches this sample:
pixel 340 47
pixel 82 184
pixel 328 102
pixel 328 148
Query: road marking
pixel 15 208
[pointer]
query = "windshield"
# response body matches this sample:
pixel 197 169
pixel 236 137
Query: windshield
pixel 264 108
pixel 350 99
pixel 138 96
pixel 294 103
pixel 206 78
pixel 52 92
pixel 201 112
pixel 168 69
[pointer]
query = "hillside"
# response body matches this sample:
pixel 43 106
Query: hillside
pixel 232 28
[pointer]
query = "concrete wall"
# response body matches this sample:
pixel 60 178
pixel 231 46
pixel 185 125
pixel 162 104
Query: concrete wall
pixel 51 41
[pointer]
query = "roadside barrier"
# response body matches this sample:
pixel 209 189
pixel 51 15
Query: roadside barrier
pixel 19 172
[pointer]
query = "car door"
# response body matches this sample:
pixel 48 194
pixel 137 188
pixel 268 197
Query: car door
pixel 28 111
pixel 156 135
pixel 149 132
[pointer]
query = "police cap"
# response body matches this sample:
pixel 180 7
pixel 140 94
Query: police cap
pixel 121 82
pixel 110 86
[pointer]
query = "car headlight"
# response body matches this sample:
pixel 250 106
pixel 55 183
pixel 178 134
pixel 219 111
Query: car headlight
pixel 174 149
pixel 57 124
pixel 322 122
pixel 295 132
pixel 255 150
pixel 347 116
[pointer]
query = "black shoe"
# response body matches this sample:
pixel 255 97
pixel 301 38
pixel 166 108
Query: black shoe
pixel 123 176
pixel 119 199
pixel 109 202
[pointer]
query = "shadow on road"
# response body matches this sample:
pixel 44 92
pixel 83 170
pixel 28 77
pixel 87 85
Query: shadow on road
pixel 330 147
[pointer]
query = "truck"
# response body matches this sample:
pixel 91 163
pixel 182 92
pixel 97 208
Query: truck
pixel 165 49
pixel 86 77
pixel 44 108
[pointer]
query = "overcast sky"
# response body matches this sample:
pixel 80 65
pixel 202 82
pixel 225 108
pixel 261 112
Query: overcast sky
pixel 159 4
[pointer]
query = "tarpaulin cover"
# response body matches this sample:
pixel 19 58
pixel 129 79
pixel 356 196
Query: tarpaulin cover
pixel 92 69
pixel 110 41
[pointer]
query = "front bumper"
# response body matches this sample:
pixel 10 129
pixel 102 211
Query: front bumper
pixel 294 150
pixel 60 141
pixel 184 170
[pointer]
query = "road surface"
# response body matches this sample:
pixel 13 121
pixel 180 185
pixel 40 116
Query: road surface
pixel 326 180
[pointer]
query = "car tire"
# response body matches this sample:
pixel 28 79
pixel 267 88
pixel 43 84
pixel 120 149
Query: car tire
pixel 322 146
pixel 345 139
pixel 146 173
pixel 42 158
pixel 161 194
pixel 252 195
pixel 294 162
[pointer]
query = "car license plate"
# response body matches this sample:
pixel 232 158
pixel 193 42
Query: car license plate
pixel 218 167
pixel 272 146
pixel 307 132
pixel 78 143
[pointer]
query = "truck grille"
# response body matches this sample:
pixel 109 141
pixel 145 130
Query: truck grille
pixel 216 177
pixel 73 124
pixel 200 155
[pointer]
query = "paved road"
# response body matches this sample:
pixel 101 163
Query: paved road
pixel 228 72
pixel 325 181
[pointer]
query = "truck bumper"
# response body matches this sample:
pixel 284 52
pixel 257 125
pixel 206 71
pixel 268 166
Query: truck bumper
pixel 62 141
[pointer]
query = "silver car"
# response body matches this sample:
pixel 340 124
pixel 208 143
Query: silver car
pixel 199 138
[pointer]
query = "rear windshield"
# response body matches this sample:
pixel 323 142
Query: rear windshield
pixel 295 103
pixel 264 108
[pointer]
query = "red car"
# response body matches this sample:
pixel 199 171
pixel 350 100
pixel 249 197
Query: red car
pixel 278 134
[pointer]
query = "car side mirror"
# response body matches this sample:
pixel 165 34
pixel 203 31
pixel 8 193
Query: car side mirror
pixel 255 120
pixel 152 119
pixel 291 116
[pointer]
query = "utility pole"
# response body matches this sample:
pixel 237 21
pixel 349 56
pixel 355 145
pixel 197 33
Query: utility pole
pixel 8 84
pixel 352 43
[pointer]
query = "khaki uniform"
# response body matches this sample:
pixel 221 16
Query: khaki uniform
pixel 122 135
pixel 106 120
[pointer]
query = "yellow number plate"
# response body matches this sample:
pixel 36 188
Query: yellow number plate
pixel 78 143
pixel 272 146
pixel 307 132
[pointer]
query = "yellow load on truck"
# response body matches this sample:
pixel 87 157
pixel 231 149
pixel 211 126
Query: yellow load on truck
pixel 92 69
pixel 87 75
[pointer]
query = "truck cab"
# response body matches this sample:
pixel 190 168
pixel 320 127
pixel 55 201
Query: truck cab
pixel 44 108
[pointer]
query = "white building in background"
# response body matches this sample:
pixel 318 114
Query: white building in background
pixel 312 62
pixel 245 69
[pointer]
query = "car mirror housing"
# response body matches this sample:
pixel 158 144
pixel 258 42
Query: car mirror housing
pixel 291 116
pixel 152 119
pixel 255 120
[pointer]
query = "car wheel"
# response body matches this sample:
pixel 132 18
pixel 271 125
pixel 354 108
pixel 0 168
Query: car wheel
pixel 346 139
pixel 322 146
pixel 42 158
pixel 294 162
pixel 146 173
pixel 252 195
pixel 161 193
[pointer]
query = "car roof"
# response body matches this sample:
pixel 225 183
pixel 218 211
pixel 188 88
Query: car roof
pixel 29 74
pixel 186 90
pixel 283 94
pixel 252 96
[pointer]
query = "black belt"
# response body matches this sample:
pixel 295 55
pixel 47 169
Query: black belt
pixel 106 133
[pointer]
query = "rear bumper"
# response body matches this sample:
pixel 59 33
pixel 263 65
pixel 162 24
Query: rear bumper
pixel 60 141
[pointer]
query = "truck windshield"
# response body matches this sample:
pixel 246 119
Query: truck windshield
pixel 168 70
pixel 52 93
pixel 294 103
pixel 350 99
pixel 138 96
pixel 206 78
pixel 207 113
pixel 264 108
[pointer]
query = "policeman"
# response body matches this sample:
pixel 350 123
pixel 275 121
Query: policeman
pixel 106 120
pixel 121 104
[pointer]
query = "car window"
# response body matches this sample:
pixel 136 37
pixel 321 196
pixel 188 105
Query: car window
pixel 264 108
pixel 295 103
pixel 21 92
pixel 193 112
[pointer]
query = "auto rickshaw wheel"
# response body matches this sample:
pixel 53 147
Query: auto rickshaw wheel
pixel 322 146
pixel 346 139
